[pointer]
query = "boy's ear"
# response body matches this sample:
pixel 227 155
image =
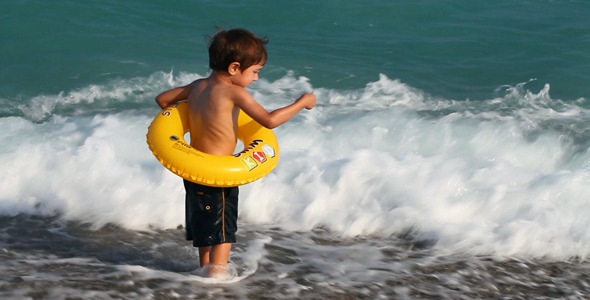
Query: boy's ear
pixel 233 68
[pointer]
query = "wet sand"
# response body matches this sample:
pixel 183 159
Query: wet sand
pixel 47 258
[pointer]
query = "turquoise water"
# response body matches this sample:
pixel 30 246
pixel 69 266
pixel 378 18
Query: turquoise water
pixel 452 49
pixel 448 156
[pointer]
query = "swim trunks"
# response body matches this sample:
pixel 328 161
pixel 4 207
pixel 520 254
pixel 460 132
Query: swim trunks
pixel 211 214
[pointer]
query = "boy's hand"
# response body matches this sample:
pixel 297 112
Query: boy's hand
pixel 308 100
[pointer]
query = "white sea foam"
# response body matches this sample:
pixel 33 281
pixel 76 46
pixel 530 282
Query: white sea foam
pixel 505 176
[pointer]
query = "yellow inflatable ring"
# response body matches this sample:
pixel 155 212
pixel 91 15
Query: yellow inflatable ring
pixel 260 155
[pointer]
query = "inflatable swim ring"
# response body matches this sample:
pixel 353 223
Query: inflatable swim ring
pixel 165 138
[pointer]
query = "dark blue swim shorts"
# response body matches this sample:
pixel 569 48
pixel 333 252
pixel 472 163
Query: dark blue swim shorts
pixel 211 214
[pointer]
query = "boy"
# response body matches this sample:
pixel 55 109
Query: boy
pixel 236 57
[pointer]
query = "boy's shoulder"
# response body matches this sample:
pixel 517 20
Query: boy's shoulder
pixel 217 90
pixel 229 90
pixel 197 83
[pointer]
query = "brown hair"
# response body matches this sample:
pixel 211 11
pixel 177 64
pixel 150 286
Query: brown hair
pixel 236 45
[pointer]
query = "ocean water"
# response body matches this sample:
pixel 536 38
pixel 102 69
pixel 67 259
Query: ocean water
pixel 448 156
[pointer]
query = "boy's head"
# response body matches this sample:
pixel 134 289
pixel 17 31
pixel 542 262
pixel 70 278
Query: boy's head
pixel 236 45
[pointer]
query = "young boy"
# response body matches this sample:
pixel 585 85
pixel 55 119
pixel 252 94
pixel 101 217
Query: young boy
pixel 236 57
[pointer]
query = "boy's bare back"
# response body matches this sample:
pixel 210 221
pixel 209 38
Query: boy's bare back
pixel 213 117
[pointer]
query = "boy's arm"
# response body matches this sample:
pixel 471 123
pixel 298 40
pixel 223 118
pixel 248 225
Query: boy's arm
pixel 277 117
pixel 174 95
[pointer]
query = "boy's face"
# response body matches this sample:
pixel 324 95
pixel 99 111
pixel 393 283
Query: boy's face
pixel 246 77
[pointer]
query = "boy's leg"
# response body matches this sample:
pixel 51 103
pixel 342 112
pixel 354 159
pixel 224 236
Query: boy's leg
pixel 204 255
pixel 217 254
pixel 220 254
pixel 217 257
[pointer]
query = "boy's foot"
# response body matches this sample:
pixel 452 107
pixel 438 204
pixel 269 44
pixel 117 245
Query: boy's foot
pixel 223 272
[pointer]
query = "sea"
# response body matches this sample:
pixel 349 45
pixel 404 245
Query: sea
pixel 448 156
